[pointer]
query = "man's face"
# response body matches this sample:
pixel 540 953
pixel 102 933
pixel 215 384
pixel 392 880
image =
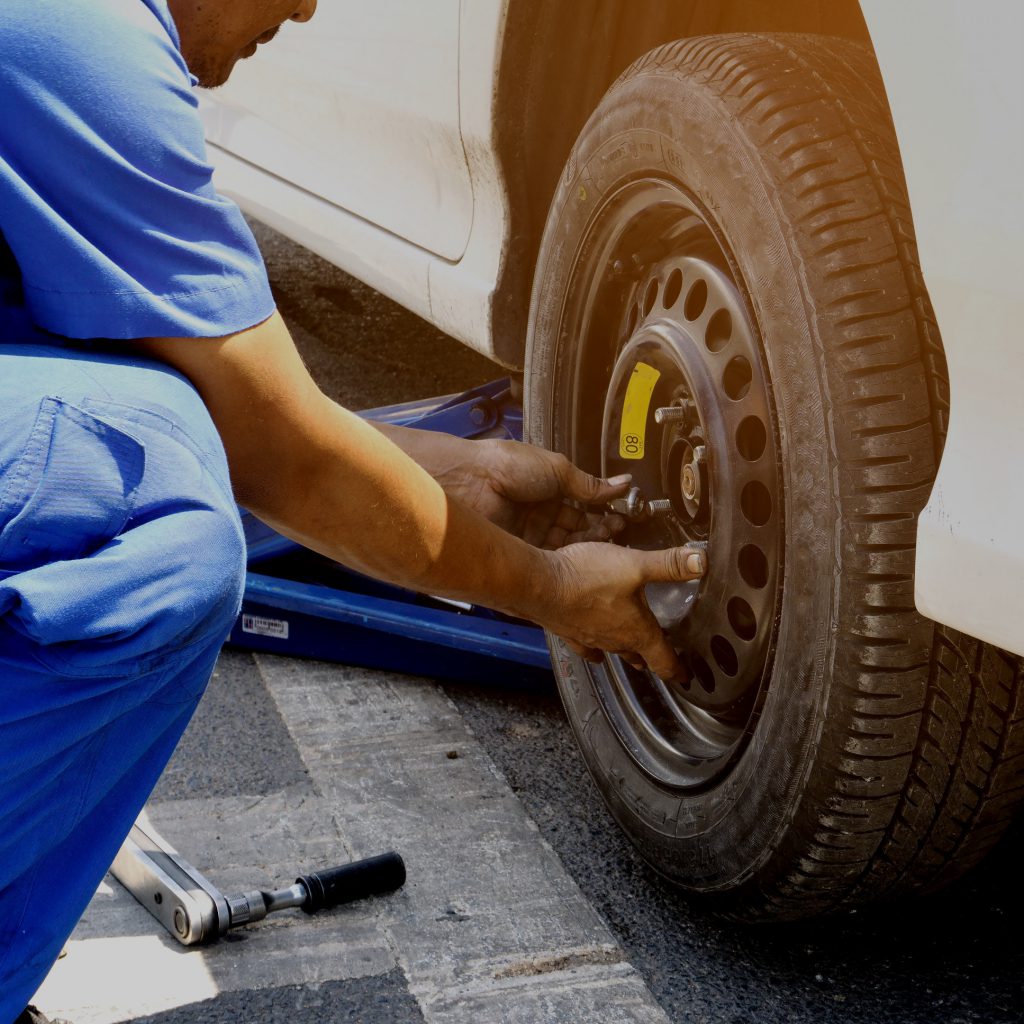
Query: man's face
pixel 217 33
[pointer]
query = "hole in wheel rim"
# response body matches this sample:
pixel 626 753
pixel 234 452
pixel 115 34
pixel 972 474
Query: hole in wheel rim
pixel 724 655
pixel 742 618
pixel 737 377
pixel 696 299
pixel 704 673
pixel 719 332
pixel 753 566
pixel 673 288
pixel 751 438
pixel 756 503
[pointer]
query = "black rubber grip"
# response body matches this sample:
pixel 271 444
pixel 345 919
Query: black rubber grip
pixel 353 881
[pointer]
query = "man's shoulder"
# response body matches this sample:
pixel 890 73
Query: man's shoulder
pixel 74 44
pixel 103 73
pixel 77 20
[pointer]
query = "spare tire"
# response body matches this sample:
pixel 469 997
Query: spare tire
pixel 728 304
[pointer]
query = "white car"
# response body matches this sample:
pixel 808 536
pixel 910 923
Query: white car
pixel 688 223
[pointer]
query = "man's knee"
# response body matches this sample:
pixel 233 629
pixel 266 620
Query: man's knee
pixel 120 538
pixel 205 571
pixel 173 578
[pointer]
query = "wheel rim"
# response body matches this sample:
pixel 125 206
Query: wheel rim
pixel 654 294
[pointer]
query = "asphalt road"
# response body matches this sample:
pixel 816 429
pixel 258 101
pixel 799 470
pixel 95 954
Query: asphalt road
pixel 953 958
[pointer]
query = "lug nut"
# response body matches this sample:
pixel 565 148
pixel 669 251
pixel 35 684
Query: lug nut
pixel 689 482
pixel 635 506
pixel 632 505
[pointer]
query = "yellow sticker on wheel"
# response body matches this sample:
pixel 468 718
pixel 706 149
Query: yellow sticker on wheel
pixel 635 407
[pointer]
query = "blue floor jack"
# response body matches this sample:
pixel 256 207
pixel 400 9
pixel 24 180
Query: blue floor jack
pixel 299 603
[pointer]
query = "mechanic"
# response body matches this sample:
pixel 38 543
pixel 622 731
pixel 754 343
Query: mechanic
pixel 121 553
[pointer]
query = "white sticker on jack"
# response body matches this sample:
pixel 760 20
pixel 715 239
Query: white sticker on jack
pixel 265 627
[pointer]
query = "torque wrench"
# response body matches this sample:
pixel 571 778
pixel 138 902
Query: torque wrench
pixel 196 912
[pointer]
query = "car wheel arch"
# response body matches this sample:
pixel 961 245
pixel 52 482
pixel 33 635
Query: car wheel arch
pixel 542 102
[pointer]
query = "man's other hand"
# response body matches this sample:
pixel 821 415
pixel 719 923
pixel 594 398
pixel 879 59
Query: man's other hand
pixel 599 602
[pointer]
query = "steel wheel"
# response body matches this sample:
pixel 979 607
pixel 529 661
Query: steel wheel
pixel 669 384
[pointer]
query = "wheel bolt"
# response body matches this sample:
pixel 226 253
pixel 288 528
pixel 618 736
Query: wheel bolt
pixel 673 413
pixel 659 507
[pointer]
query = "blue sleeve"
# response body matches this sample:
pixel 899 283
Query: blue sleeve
pixel 106 197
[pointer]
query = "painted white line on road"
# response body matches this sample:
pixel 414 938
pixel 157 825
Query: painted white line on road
pixel 489 926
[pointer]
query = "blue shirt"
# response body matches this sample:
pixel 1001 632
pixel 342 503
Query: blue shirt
pixel 110 226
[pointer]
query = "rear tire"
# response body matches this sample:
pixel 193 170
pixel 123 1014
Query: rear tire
pixel 840 747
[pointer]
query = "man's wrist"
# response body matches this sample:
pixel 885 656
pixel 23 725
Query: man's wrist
pixel 540 585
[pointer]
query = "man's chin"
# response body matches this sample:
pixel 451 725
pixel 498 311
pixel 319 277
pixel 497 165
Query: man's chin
pixel 213 78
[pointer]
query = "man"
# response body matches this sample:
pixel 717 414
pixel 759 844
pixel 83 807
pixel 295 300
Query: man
pixel 121 556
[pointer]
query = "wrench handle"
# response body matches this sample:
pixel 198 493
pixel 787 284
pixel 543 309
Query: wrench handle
pixel 355 881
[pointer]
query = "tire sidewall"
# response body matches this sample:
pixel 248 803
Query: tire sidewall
pixel 665 123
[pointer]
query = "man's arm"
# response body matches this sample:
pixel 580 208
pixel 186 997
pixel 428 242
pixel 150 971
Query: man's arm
pixel 324 477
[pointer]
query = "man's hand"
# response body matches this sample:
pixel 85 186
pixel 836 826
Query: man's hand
pixel 532 493
pixel 536 494
pixel 599 603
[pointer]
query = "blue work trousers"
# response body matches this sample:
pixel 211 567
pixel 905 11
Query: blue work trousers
pixel 122 563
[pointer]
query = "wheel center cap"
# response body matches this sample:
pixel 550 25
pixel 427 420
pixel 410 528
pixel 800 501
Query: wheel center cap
pixel 690 483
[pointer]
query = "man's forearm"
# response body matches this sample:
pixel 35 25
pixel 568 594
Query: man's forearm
pixel 323 476
pixel 364 502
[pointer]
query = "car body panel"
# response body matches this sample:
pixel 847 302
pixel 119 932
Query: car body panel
pixel 360 108
pixel 954 80
pixel 454 295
